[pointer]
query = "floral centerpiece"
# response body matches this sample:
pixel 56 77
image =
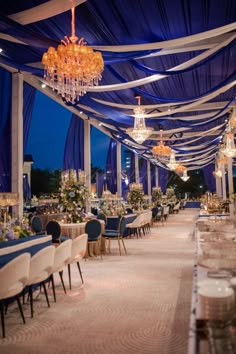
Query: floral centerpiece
pixel 170 193
pixel 72 197
pixel 156 195
pixel 136 196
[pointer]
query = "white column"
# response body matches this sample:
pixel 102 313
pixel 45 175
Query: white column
pixel 118 169
pixel 156 177
pixel 149 187
pixel 217 183
pixel 87 160
pixel 231 186
pixel 17 141
pixel 223 183
pixel 136 167
pixel 230 177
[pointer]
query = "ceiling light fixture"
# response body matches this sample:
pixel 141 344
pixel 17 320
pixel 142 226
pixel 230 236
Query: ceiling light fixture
pixel 73 67
pixel 229 149
pixel 139 132
pixel 161 150
pixel 185 176
pixel 172 163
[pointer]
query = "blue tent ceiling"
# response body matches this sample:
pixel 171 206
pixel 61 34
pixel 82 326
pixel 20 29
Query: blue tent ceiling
pixel 191 103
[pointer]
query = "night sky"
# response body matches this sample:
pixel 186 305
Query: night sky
pixel 47 136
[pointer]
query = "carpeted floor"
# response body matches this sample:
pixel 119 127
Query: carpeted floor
pixel 139 303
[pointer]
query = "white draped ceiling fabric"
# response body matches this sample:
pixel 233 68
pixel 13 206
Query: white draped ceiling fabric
pixel 193 124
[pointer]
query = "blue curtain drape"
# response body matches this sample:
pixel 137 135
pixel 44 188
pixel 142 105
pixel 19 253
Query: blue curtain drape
pixel 111 169
pixel 143 176
pixel 29 93
pixel 153 180
pixel 74 147
pixel 131 171
pixel 209 178
pixel 100 181
pixel 162 178
pixel 5 131
pixel 26 188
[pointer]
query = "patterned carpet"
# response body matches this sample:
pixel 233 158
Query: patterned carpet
pixel 139 303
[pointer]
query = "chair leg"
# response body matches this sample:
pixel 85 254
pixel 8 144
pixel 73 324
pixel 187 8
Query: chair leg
pixel 20 308
pixel 2 318
pixel 62 281
pixel 31 301
pixel 78 265
pixel 53 288
pixel 45 293
pixel 124 245
pixel 119 245
pixel 69 275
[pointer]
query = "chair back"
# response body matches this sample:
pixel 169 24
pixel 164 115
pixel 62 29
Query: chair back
pixel 53 228
pixel 79 247
pixel 14 272
pixel 129 211
pixel 154 212
pixel 36 224
pixel 122 226
pixel 62 255
pixel 41 265
pixel 102 216
pixel 93 228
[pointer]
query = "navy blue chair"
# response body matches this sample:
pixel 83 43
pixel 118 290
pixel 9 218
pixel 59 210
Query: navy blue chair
pixel 117 235
pixel 93 228
pixel 53 228
pixel 36 225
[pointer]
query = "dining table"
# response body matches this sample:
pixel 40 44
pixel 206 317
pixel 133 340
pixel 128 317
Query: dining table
pixel 74 230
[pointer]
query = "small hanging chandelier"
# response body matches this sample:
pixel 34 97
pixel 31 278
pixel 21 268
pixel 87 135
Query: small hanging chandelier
pixel 139 132
pixel 185 176
pixel 73 67
pixel 161 150
pixel 172 163
pixel 229 149
pixel 180 169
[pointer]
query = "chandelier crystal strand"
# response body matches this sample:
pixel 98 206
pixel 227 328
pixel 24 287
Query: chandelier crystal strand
pixel 161 150
pixel 73 67
pixel 185 176
pixel 229 149
pixel 139 132
pixel 172 163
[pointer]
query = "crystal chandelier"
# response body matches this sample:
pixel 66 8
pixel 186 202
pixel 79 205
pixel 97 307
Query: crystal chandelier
pixel 161 150
pixel 229 149
pixel 139 132
pixel 73 67
pixel 180 169
pixel 185 176
pixel 172 163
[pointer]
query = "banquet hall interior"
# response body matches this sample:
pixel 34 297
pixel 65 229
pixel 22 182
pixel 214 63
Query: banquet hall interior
pixel 129 244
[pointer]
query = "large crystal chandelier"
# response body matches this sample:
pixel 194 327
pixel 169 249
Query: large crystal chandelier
pixel 185 176
pixel 172 162
pixel 139 132
pixel 161 150
pixel 229 149
pixel 73 67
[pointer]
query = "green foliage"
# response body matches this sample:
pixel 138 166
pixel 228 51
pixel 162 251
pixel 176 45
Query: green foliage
pixel 156 195
pixel 135 198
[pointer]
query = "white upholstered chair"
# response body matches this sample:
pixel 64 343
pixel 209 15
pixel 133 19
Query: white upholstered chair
pixel 62 256
pixel 13 278
pixel 41 266
pixel 78 251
